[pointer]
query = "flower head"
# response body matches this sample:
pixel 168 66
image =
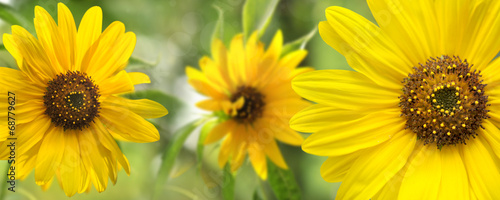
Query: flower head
pixel 418 118
pixel 249 87
pixel 67 111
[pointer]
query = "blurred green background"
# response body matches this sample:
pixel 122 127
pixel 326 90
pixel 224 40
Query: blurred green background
pixel 172 34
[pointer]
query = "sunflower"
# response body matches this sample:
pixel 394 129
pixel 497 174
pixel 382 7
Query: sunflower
pixel 67 109
pixel 419 116
pixel 250 89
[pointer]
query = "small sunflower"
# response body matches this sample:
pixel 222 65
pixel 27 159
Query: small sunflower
pixel 419 116
pixel 250 87
pixel 68 112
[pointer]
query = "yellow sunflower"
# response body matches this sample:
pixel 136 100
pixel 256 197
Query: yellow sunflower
pixel 67 109
pixel 250 87
pixel 419 116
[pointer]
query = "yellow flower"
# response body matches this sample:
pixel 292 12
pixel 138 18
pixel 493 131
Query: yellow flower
pixel 419 116
pixel 251 87
pixel 67 108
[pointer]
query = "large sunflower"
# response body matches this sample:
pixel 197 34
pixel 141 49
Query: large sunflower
pixel 67 108
pixel 250 87
pixel 419 116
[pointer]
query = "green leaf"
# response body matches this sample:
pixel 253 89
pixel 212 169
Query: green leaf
pixel 170 154
pixel 256 195
pixel 9 15
pixel 299 43
pixel 203 135
pixel 283 182
pixel 228 187
pixel 135 63
pixel 257 15
pixel 219 26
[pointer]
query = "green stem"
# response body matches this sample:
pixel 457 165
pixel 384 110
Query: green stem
pixel 171 152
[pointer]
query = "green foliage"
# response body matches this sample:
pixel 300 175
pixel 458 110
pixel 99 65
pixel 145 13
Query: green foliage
pixel 135 63
pixel 170 154
pixel 219 26
pixel 228 187
pixel 283 183
pixel 203 135
pixel 299 43
pixel 257 15
pixel 9 15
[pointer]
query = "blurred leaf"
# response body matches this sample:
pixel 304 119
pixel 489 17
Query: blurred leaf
pixel 171 103
pixel 299 43
pixel 170 154
pixel 138 63
pixel 283 182
pixel 228 187
pixel 2 47
pixel 203 135
pixel 219 26
pixel 8 14
pixel 256 15
pixel 256 195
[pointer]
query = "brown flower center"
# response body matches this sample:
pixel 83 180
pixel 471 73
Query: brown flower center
pixel 72 100
pixel 444 102
pixel 253 107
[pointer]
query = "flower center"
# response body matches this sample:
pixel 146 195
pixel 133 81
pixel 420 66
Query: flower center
pixel 443 101
pixel 72 100
pixel 253 106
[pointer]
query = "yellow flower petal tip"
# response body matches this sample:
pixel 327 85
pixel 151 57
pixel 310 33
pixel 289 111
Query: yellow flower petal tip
pixel 248 87
pixel 67 105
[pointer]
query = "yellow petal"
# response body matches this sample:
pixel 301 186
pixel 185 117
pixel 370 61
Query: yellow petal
pixel 128 124
pixel 415 32
pixel 139 78
pixel 348 136
pixel 30 134
pixel 279 128
pixel 67 28
pixel 88 32
pixel 93 159
pixel 70 169
pixel 377 166
pixel 105 138
pixel 258 160
pixel 423 177
pixel 11 46
pixel 335 168
pixel 50 38
pixel 319 116
pixel 273 152
pixel 117 84
pixel 454 181
pixel 35 62
pixel 109 53
pixel 49 157
pixel 492 135
pixel 143 107
pixel 366 47
pixel 344 89
pixel 225 150
pixel 482 168
pixel 484 44
pixel 236 60
pixel 29 110
pixel 210 105
pixel 219 131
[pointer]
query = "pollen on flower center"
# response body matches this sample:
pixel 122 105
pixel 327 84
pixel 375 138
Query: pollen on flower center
pixel 72 100
pixel 444 102
pixel 253 107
